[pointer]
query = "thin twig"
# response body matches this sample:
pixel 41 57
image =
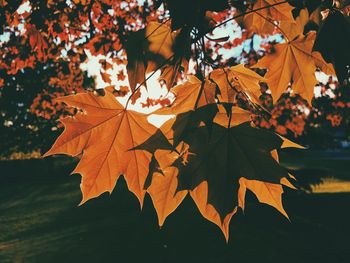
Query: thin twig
pixel 159 26
pixel 91 28
pixel 146 79
pixel 240 15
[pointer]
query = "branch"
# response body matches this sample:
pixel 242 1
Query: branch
pixel 240 15
pixel 91 28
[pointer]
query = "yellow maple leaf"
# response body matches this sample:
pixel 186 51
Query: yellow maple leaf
pixel 159 44
pixel 293 63
pixel 163 189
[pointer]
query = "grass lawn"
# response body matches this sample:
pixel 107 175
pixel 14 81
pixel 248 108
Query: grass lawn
pixel 41 222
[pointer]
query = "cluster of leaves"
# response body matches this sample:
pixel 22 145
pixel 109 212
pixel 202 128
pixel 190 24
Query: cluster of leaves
pixel 28 115
pixel 330 115
pixel 42 47
pixel 210 149
pixel 288 116
pixel 322 125
pixel 204 151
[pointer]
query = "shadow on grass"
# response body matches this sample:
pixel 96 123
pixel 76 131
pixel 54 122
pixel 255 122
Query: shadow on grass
pixel 41 222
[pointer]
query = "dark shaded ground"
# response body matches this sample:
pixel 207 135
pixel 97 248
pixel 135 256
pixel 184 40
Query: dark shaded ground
pixel 40 222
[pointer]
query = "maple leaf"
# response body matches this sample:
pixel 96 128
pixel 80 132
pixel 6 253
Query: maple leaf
pixel 105 133
pixel 267 193
pixel 149 50
pixel 164 194
pixel 292 29
pixel 262 21
pixel 190 95
pixel 106 77
pixel 160 40
pixel 200 195
pixel 237 79
pixel 37 41
pixel 121 75
pixel 170 71
pixel 211 166
pixel 224 155
pixel 163 189
pixel 295 29
pixel 292 62
pixel 136 67
pixel 194 103
pixel 207 174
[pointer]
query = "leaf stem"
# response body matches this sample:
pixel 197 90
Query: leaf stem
pixel 146 79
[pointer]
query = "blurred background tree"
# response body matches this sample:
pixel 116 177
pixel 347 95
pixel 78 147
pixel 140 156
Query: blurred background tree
pixel 44 45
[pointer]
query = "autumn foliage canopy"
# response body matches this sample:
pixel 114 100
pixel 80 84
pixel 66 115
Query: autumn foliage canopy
pixel 217 141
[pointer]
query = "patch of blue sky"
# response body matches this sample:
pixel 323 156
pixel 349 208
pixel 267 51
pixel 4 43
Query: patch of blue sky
pixel 233 31
pixel 24 7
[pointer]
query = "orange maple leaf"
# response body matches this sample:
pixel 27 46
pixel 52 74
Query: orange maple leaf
pixel 262 21
pixel 37 41
pixel 105 133
pixel 237 79
pixel 106 77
